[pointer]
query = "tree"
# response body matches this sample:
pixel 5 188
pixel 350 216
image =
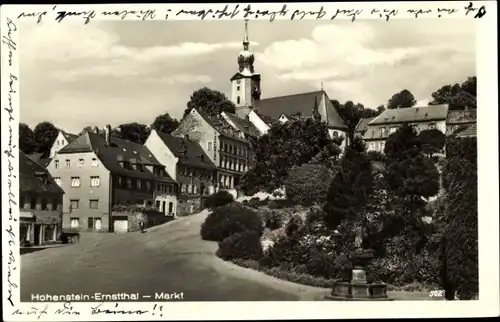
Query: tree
pixel 329 155
pixel 210 101
pixel 351 114
pixel 410 176
pixel 134 132
pixel 284 146
pixel 460 237
pixel 27 143
pixel 380 109
pixel 91 129
pixel 350 187
pixel 402 99
pixel 457 96
pixel 165 123
pixel 45 134
pixel 432 141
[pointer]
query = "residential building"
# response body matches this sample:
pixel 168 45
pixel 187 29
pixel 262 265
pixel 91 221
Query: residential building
pixel 40 203
pixel 227 147
pixel 420 118
pixel 98 171
pixel 38 158
pixel 460 120
pixel 471 131
pixel 186 162
pixel 62 139
pixel 362 126
pixel 246 95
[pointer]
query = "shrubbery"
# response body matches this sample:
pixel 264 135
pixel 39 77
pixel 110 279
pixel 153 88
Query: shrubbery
pixel 230 219
pixel 308 184
pixel 272 218
pixel 220 198
pixel 243 245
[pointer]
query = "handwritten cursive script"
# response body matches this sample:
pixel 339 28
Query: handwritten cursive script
pixel 11 44
pixel 99 309
pixel 67 309
pixel 33 311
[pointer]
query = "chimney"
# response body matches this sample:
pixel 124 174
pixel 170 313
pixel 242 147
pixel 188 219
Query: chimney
pixel 108 134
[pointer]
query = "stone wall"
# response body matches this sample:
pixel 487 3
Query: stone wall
pixel 188 205
pixel 150 219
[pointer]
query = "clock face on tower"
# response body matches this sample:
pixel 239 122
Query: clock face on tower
pixel 238 81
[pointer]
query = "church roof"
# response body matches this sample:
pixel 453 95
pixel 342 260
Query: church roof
pixel 243 125
pixel 33 177
pixel 412 114
pixel 189 152
pixel 303 104
pixel 119 150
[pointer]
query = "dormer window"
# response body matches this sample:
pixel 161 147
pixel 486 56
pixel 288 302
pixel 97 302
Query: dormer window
pixel 124 150
pixel 56 164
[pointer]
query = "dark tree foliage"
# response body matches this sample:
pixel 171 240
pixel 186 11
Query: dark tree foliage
pixel 220 198
pixel 308 184
pixel 402 99
pixel 284 146
pixel 460 238
pixel 243 245
pixel 27 143
pixel 133 132
pixel 410 176
pixel 165 123
pixel 351 185
pixel 210 101
pixel 45 134
pixel 351 114
pixel 92 129
pixel 432 141
pixel 458 96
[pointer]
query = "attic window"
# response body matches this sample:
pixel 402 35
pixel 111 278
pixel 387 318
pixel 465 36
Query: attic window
pixel 135 152
pixel 124 150
pixel 426 114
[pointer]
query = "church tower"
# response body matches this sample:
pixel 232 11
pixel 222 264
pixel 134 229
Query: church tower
pixel 245 84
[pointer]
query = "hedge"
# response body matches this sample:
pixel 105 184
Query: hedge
pixel 308 184
pixel 220 198
pixel 242 245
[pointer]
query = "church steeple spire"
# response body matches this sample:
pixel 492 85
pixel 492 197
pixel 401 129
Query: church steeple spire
pixel 245 38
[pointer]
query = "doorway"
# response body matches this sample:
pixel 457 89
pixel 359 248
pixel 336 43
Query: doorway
pixel 36 239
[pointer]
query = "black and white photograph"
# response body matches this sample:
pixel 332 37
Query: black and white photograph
pixel 156 156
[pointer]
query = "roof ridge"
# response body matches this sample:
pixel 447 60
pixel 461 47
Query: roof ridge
pixel 297 94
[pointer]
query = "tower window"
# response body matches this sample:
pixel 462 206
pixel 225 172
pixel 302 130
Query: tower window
pixel 238 100
pixel 237 88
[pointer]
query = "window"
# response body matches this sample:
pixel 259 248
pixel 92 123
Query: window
pixel 392 130
pixel 80 163
pixel 74 203
pixel 129 183
pixel 33 203
pixel 139 184
pixel 119 182
pixel 74 222
pixel 237 88
pixel 44 204
pixel 382 131
pixel 195 189
pixel 56 164
pixel 58 181
pixel 55 204
pixel 75 182
pixel 95 181
pixel 170 207
pixel 238 100
pixel 225 147
pixel 94 162
pixel 372 146
pixel 148 185
pixel 90 223
pixel 158 204
pixel 68 163
pixel 382 146
pixel 230 148
pixel 94 203
pixel 210 146
pixel 97 223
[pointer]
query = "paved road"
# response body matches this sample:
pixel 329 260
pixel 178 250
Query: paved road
pixel 168 258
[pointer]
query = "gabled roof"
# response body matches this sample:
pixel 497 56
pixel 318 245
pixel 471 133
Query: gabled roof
pixel 44 162
pixel 118 150
pixel 243 125
pixel 68 136
pixel 363 124
pixel 189 152
pixel 412 114
pixel 35 156
pixel 220 125
pixel 471 131
pixel 35 178
pixel 303 104
pixel 456 117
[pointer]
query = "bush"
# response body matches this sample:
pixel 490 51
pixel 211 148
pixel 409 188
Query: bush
pixel 230 219
pixel 281 203
pixel 272 219
pixel 308 184
pixel 243 245
pixel 220 198
pixel 294 226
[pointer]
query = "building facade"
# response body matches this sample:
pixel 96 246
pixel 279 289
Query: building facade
pixel 63 139
pixel 98 172
pixel 40 204
pixel 420 118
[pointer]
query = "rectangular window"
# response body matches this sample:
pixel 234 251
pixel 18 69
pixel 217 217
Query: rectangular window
pixel 238 100
pixel 392 130
pixel 382 146
pixel 210 146
pixel 139 184
pixel 158 204
pixel 56 164
pixel 372 146
pixel 33 203
pixel 80 163
pixel 95 181
pixel 94 162
pixel 195 188
pixel 119 182
pixel 237 88
pixel 55 204
pixel 90 223
pixel 225 148
pixel 129 183
pixel 148 186
pixel 74 222
pixel 382 131
pixel 58 181
pixel 94 203
pixel 74 203
pixel 68 163
pixel 75 182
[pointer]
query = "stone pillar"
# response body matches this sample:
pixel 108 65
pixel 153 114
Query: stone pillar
pixel 54 235
pixel 42 234
pixel 28 233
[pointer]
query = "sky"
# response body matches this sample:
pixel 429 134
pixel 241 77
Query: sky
pixel 76 75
